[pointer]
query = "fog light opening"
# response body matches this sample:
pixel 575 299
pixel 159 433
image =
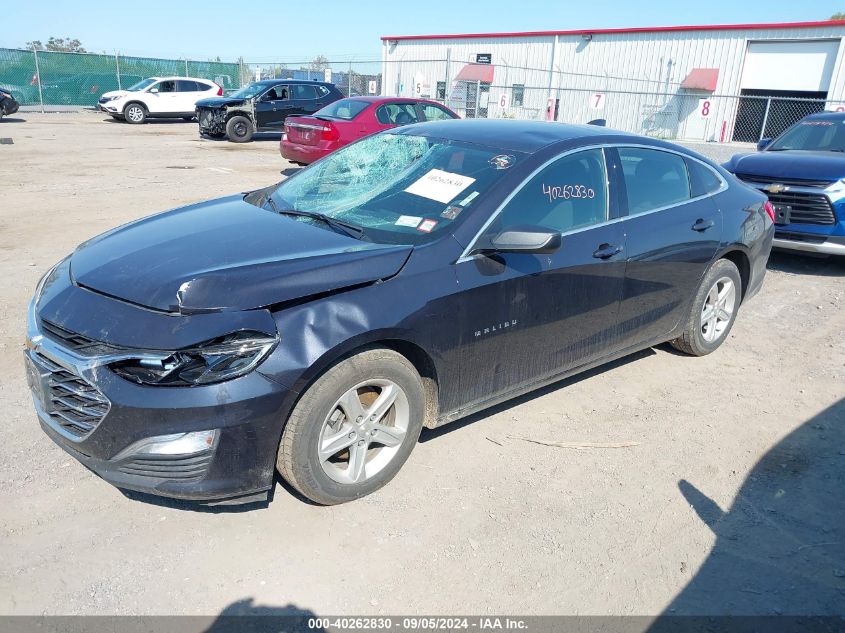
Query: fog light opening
pixel 191 443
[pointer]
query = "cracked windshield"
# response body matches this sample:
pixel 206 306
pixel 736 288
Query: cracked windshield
pixel 398 188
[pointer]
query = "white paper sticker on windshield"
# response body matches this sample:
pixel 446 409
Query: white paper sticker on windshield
pixel 440 185
pixel 408 220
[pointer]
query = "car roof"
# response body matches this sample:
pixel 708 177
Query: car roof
pixel 826 116
pixel 173 78
pixel 518 136
pixel 275 82
pixel 377 99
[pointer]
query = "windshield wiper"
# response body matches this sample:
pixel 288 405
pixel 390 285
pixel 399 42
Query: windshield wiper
pixel 352 230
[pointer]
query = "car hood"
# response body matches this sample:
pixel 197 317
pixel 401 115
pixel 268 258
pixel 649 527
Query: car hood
pixel 790 164
pixel 226 254
pixel 115 93
pixel 219 102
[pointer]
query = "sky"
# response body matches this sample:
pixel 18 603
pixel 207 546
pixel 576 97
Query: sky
pixel 349 29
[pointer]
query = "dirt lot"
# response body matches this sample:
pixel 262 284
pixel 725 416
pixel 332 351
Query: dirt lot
pixel 476 522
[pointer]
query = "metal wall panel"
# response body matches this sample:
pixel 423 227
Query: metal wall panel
pixel 640 73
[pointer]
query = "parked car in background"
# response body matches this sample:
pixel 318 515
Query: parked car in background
pixel 262 106
pixel 309 138
pixel 82 88
pixel 802 172
pixel 8 104
pixel 158 97
pixel 406 280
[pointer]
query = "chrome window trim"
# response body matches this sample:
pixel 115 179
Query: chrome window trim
pixel 465 255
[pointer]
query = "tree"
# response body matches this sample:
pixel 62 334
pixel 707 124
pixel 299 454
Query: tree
pixel 59 44
pixel 838 16
pixel 319 63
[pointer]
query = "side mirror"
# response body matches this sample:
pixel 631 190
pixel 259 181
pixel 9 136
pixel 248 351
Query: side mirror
pixel 527 239
pixel 763 143
pixel 154 90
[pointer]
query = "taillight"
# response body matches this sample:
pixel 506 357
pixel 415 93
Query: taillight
pixel 770 210
pixel 219 91
pixel 329 133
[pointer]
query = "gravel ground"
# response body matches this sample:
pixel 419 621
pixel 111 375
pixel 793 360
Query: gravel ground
pixel 731 502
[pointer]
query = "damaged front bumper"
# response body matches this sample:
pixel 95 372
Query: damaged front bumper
pixel 132 435
pixel 212 121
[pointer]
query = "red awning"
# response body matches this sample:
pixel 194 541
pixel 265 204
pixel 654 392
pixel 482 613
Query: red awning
pixel 701 79
pixel 476 72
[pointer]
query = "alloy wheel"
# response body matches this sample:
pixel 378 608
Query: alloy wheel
pixel 134 113
pixel 718 309
pixel 363 431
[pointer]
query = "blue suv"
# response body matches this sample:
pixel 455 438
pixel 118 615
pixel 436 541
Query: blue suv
pixel 802 172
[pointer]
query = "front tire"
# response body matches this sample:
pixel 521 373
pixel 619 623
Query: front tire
pixel 135 113
pixel 239 129
pixel 354 428
pixel 713 310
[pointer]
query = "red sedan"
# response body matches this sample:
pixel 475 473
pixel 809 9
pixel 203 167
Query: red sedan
pixel 309 138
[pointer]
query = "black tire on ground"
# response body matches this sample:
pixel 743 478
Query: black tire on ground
pixel 135 113
pixel 239 129
pixel 693 340
pixel 297 459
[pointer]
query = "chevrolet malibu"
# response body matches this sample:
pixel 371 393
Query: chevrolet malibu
pixel 314 327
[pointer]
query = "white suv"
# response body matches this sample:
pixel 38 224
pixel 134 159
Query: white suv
pixel 158 97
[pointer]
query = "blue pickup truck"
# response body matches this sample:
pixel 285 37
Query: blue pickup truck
pixel 802 172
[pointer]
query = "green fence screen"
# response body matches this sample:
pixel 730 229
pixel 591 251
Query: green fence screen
pixel 80 78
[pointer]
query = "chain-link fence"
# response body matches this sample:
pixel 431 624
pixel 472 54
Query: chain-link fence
pixel 654 107
pixel 52 78
pixel 353 78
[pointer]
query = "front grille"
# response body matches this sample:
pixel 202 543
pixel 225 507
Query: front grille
pixel 74 404
pixel 805 208
pixel 168 467
pixel 789 182
pixel 73 341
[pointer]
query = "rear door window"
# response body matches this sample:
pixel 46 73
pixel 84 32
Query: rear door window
pixel 702 179
pixel 653 178
pixel 183 85
pixel 396 114
pixel 433 112
pixel 301 91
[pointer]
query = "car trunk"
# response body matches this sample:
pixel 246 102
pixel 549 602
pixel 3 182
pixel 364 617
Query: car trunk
pixel 309 130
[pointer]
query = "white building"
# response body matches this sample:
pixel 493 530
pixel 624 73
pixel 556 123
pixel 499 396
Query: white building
pixel 695 82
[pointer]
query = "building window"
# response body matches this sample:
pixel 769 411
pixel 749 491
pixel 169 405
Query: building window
pixel 441 90
pixel 518 94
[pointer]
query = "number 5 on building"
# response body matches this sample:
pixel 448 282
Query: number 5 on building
pixel 597 101
pixel 705 108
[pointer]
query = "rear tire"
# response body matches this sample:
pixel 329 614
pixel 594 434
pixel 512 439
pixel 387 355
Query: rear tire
pixel 135 113
pixel 239 129
pixel 354 428
pixel 713 311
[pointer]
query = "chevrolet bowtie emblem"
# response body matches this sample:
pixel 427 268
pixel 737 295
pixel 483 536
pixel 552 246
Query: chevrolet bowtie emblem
pixel 775 188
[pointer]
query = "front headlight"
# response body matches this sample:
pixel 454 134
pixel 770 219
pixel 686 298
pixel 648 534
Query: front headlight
pixel 218 360
pixel 39 287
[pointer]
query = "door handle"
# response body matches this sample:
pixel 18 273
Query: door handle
pixel 702 225
pixel 606 251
